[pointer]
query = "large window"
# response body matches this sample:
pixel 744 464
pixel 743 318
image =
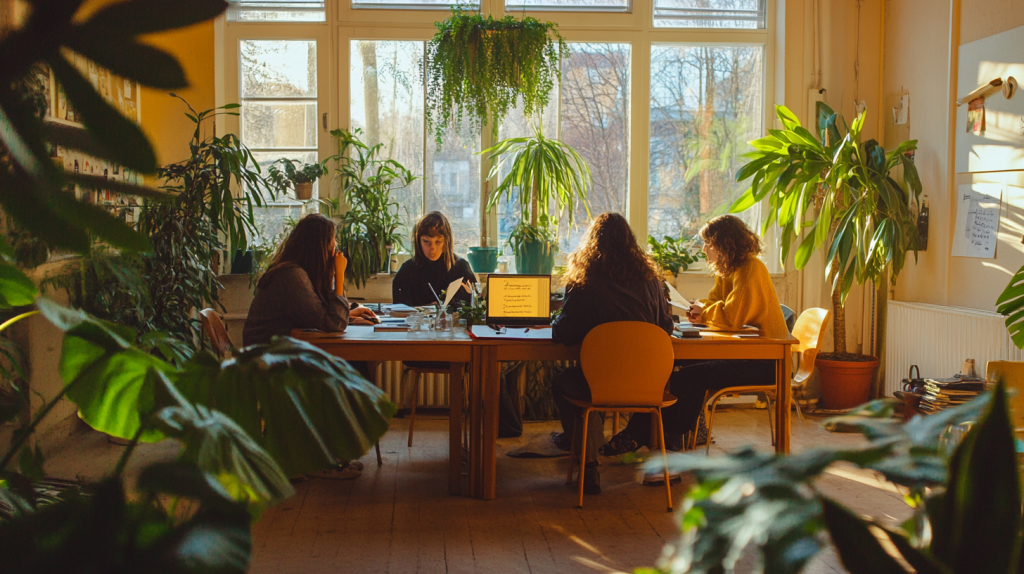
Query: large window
pixel 706 104
pixel 658 96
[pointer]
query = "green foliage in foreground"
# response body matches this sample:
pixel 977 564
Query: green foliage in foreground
pixel 966 499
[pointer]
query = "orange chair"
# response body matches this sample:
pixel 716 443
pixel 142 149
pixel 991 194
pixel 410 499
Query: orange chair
pixel 807 330
pixel 627 365
pixel 213 327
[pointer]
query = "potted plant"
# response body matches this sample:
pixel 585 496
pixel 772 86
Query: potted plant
pixel 478 68
pixel 368 231
pixel 674 254
pixel 542 174
pixel 838 192
pixel 299 178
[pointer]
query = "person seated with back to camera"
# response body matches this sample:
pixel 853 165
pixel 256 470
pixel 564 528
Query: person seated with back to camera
pixel 743 295
pixel 297 292
pixel 608 278
pixel 432 268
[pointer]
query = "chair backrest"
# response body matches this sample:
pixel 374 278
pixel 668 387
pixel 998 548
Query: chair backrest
pixel 627 363
pixel 808 329
pixel 1012 373
pixel 213 327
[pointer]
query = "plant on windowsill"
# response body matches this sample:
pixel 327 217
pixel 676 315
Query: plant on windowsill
pixel 300 179
pixel 674 254
pixel 547 178
pixel 478 68
pixel 369 230
pixel 841 194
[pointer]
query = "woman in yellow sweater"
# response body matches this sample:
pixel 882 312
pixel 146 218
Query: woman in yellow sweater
pixel 743 295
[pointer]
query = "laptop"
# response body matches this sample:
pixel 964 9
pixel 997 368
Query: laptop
pixel 518 300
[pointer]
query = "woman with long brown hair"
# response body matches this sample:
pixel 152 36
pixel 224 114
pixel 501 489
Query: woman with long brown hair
pixel 297 290
pixel 608 278
pixel 743 295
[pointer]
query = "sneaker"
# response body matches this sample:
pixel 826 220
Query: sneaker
pixel 336 472
pixel 658 478
pixel 591 479
pixel 562 441
pixel 351 464
pixel 619 444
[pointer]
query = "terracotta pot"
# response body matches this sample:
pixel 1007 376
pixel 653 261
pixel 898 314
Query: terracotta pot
pixel 845 384
pixel 303 191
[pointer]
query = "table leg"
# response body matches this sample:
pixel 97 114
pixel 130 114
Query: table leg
pixel 455 391
pixel 475 424
pixel 491 395
pixel 784 394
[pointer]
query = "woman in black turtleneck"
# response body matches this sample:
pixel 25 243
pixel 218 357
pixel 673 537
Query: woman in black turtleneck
pixel 434 265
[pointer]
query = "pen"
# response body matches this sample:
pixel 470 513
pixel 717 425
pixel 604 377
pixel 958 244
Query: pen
pixel 526 330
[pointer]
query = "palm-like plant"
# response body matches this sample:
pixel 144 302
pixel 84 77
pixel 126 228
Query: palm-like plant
pixel 546 177
pixel 370 226
pixel 841 193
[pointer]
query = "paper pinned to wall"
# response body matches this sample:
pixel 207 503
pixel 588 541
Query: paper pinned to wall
pixel 977 220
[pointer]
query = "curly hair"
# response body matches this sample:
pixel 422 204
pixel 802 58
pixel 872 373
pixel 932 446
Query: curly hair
pixel 433 224
pixel 609 248
pixel 307 246
pixel 734 241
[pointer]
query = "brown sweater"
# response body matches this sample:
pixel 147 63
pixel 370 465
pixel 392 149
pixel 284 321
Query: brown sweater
pixel 289 302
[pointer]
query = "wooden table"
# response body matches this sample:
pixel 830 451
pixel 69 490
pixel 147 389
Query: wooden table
pixel 482 358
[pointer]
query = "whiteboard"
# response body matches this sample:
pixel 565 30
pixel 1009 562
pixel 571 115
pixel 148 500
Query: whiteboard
pixel 1001 146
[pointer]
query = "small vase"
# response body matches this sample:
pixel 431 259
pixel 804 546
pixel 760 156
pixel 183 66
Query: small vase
pixel 303 191
pixel 483 259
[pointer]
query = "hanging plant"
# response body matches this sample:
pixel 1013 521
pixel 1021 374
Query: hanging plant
pixel 477 68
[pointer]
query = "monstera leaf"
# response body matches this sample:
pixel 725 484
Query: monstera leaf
pixel 307 408
pixel 1011 304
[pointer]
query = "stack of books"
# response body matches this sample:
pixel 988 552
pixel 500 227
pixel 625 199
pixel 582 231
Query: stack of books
pixel 942 393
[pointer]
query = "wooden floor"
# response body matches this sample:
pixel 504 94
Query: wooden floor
pixel 399 518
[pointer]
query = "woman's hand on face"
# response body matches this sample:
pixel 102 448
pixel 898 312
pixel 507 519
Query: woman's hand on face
pixel 363 314
pixel 340 261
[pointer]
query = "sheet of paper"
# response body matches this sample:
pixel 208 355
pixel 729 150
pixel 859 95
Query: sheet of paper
pixel 977 220
pixel 676 298
pixel 453 289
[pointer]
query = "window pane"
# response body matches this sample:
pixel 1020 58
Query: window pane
pixel 595 122
pixel 279 124
pixel 275 10
pixel 387 104
pixel 414 4
pixel 705 106
pixel 581 5
pixel 453 177
pixel 709 13
pixel 278 68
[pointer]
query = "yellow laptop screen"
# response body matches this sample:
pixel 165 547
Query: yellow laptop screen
pixel 514 299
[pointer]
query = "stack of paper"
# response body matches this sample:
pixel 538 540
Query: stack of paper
pixel 942 393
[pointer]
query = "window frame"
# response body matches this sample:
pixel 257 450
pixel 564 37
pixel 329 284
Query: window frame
pixel 636 27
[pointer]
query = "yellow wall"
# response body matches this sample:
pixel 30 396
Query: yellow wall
pixel 918 58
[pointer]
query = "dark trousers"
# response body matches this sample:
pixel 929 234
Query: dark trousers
pixel 690 383
pixel 570 383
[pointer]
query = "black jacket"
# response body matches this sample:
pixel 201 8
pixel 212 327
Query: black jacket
pixel 604 300
pixel 411 285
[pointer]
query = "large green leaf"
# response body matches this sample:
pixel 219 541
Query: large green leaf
pixel 104 374
pixel 316 409
pixel 16 289
pixel 1011 303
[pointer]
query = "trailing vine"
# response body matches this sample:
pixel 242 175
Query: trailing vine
pixel 477 69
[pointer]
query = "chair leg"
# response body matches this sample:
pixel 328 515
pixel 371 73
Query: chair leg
pixel 799 412
pixel 415 399
pixel 380 461
pixel 583 453
pixel 664 457
pixel 709 416
pixel 771 423
pixel 572 452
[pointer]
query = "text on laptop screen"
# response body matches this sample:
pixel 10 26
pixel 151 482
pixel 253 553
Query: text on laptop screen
pixel 519 297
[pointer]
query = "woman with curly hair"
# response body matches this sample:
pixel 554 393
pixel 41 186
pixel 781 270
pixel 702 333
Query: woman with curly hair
pixel 609 278
pixel 743 295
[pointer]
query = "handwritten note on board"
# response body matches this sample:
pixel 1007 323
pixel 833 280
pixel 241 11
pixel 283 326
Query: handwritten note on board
pixel 977 220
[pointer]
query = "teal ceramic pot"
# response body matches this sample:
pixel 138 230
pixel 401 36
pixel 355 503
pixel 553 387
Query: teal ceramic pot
pixel 536 258
pixel 483 259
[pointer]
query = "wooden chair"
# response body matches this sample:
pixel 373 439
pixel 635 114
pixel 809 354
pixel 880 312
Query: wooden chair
pixel 417 373
pixel 627 365
pixel 213 327
pixel 807 330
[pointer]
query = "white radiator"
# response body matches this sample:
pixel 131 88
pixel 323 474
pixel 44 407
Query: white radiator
pixel 938 339
pixel 433 390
